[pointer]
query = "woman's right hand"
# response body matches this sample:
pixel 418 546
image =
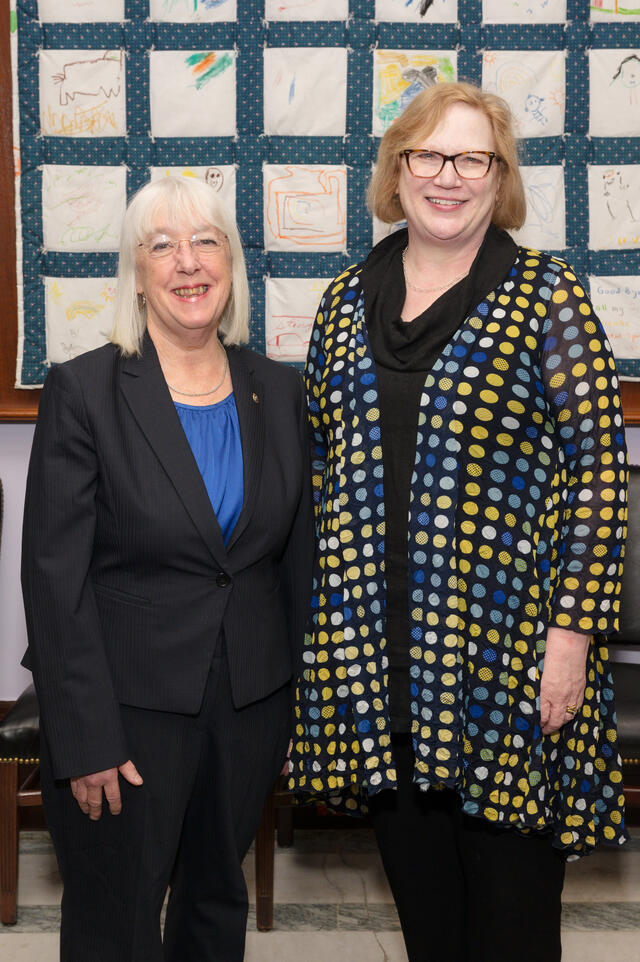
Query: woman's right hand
pixel 87 789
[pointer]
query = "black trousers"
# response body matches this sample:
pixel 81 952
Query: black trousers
pixel 190 824
pixel 465 891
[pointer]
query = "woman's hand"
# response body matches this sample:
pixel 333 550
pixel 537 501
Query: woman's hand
pixel 563 677
pixel 285 766
pixel 87 789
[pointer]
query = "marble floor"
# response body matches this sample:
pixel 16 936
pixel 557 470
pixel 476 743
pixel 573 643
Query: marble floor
pixel 332 901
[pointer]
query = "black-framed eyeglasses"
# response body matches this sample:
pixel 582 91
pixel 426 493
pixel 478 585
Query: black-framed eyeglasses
pixel 468 164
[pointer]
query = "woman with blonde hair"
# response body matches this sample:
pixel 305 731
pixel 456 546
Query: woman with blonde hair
pixel 470 474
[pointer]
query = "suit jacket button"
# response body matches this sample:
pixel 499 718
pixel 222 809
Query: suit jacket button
pixel 222 580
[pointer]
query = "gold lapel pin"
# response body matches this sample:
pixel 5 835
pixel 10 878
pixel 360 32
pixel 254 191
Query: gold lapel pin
pixel 255 397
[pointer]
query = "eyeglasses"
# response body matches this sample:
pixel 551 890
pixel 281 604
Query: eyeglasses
pixel 468 164
pixel 203 246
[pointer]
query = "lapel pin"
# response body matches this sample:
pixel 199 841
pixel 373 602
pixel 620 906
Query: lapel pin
pixel 255 397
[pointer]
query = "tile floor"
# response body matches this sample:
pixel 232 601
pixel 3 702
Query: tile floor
pixel 332 901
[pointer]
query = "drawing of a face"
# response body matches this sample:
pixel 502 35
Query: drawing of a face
pixel 612 182
pixel 184 295
pixel 533 102
pixel 628 72
pixel 447 209
pixel 214 177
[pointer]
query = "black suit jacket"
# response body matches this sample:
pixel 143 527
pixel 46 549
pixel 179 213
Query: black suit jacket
pixel 126 578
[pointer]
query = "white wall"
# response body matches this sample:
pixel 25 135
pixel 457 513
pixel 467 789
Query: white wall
pixel 15 444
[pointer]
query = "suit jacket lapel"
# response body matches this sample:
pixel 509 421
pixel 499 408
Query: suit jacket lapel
pixel 249 396
pixel 146 393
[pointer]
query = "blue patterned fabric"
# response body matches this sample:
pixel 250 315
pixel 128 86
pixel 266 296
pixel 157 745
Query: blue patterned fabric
pixel 517 516
pixel 360 35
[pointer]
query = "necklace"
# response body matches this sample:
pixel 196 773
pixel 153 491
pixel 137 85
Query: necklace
pixel 427 290
pixel 213 389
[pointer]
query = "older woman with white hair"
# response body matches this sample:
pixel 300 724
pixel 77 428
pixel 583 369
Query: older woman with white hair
pixel 166 569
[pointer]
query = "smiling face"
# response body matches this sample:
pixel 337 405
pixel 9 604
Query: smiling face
pixel 446 209
pixel 185 293
pixel 630 72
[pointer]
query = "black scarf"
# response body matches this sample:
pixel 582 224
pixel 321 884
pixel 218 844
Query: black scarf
pixel 415 346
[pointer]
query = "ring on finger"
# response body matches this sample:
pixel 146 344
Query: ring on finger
pixel 571 710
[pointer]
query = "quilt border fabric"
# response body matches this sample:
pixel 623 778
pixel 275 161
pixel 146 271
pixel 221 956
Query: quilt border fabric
pixel 250 149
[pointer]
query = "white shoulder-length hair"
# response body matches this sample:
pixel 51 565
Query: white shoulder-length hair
pixel 176 200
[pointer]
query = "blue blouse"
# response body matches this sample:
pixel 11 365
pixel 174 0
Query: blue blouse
pixel 213 432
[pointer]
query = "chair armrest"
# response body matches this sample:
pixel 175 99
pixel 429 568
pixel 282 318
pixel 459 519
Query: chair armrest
pixel 626 682
pixel 20 729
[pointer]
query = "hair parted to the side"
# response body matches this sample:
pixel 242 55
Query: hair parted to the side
pixel 176 201
pixel 412 128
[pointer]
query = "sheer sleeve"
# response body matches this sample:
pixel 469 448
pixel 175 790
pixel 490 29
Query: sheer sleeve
pixel 580 383
pixel 315 388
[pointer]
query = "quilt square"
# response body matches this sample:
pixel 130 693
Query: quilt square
pixel 614 93
pixel 305 91
pixel 305 207
pixel 398 75
pixel 193 93
pixel 614 207
pixel 82 207
pixel 615 10
pixel 417 11
pixel 82 93
pixel 221 177
pixel 306 9
pixel 291 304
pixel 192 11
pixel 80 11
pixel 78 315
pixel 533 84
pixel 616 301
pixel 524 11
pixel 545 226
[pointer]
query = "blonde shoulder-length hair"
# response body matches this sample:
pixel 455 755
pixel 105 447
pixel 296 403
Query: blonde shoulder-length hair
pixel 175 200
pixel 414 125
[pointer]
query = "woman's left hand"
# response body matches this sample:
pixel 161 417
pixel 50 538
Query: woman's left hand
pixel 563 677
pixel 285 766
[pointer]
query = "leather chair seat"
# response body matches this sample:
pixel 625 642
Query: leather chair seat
pixel 626 683
pixel 20 729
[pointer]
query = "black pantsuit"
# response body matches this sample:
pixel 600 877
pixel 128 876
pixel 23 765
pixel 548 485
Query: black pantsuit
pixel 190 823
pixel 151 639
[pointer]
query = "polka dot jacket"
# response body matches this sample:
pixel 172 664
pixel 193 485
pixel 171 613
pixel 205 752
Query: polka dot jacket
pixel 517 522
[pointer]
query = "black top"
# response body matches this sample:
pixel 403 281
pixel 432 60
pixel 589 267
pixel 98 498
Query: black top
pixel 404 354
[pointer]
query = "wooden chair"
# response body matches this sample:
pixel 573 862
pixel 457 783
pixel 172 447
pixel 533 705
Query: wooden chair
pixel 19 788
pixel 19 747
pixel 626 676
pixel 277 821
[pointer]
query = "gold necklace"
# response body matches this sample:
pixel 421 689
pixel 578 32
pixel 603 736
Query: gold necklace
pixel 427 290
pixel 213 389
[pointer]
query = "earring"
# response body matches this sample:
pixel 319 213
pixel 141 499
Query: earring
pixel 142 301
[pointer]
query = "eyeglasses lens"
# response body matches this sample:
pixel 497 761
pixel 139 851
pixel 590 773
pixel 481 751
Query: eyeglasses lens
pixel 203 246
pixel 471 165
